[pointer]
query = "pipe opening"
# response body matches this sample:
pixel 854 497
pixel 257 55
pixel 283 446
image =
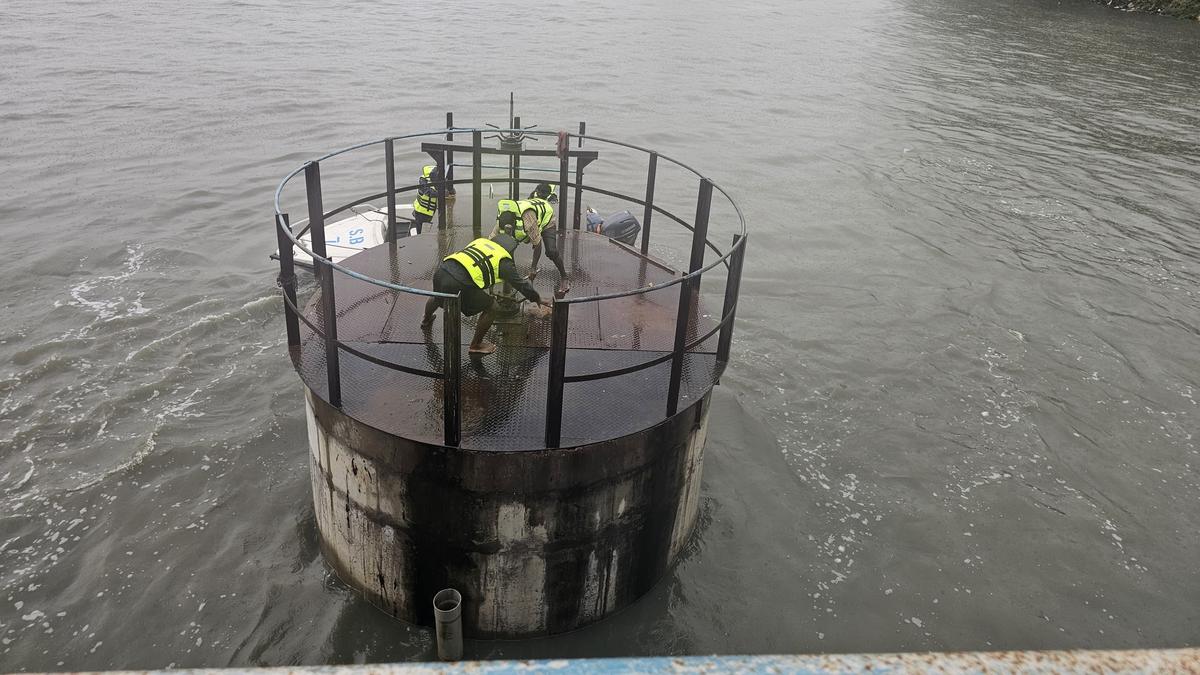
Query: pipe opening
pixel 447 610
pixel 447 600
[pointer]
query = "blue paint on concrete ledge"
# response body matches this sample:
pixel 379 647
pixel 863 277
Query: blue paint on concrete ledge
pixel 1074 661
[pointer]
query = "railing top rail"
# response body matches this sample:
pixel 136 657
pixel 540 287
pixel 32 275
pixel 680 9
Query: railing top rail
pixel 659 287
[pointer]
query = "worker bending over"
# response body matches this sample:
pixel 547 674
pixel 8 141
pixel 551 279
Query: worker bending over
pixel 471 272
pixel 532 220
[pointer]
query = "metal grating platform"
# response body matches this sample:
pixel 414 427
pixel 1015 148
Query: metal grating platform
pixel 504 394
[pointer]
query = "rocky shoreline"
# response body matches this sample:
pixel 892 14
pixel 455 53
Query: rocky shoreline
pixel 1188 9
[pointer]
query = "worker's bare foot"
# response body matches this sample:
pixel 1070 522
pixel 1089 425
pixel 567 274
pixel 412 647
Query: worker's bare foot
pixel 563 288
pixel 484 347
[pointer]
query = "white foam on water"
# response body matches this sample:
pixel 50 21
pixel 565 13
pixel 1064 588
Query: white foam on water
pixel 106 309
pixel 24 479
pixel 143 451
pixel 201 322
pixel 811 433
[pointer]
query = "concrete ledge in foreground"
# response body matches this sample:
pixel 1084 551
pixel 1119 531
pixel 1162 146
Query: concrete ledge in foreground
pixel 1074 661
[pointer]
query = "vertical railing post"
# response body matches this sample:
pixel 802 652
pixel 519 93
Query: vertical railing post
pixel 579 164
pixel 558 366
pixel 688 291
pixel 733 283
pixel 333 369
pixel 316 211
pixel 442 190
pixel 389 158
pixel 582 131
pixel 287 280
pixel 563 164
pixel 651 173
pixel 477 183
pixel 316 229
pixel 451 370
pixel 514 190
pixel 450 154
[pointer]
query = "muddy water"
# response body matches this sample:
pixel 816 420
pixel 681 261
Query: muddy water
pixel 964 399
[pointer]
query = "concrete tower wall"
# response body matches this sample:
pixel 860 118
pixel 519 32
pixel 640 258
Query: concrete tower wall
pixel 538 542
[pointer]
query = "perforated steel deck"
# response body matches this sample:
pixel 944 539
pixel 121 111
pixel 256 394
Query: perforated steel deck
pixel 504 394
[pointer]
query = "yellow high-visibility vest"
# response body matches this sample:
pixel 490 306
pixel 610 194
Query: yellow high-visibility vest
pixel 541 208
pixel 426 203
pixel 482 259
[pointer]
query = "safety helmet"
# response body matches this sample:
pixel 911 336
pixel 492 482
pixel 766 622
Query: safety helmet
pixel 431 172
pixel 544 191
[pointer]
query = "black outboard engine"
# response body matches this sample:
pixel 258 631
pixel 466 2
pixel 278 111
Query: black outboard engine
pixel 621 226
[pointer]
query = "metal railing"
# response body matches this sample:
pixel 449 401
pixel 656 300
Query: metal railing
pixel 443 155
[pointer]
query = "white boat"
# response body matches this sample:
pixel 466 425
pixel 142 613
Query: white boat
pixel 343 238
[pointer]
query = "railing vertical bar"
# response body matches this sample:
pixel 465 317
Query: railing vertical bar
pixel 287 280
pixel 564 163
pixel 389 158
pixel 443 191
pixel 514 190
pixel 558 366
pixel 700 233
pixel 316 210
pixel 451 369
pixel 582 131
pixel 651 174
pixel 733 282
pixel 316 225
pixel 579 164
pixel 477 183
pixel 450 155
pixel 333 370
pixel 688 290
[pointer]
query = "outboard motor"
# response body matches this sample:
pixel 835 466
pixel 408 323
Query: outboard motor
pixel 621 226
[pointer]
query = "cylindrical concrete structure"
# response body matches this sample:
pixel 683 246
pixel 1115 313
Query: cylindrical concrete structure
pixel 550 483
pixel 538 542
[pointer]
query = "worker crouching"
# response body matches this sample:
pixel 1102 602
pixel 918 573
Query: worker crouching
pixel 471 272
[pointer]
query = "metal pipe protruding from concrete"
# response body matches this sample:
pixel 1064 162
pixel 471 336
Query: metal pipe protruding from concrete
pixel 447 614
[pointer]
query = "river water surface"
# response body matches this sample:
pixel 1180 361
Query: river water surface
pixel 967 361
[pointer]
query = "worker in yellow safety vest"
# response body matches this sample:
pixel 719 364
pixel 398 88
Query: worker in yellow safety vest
pixel 471 272
pixel 532 220
pixel 429 189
